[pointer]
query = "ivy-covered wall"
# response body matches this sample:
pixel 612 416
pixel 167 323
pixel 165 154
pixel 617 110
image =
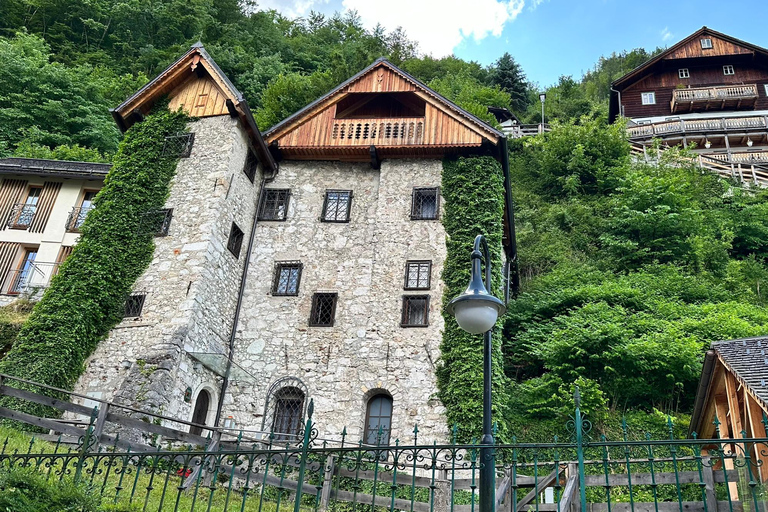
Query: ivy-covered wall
pixel 86 298
pixel 473 191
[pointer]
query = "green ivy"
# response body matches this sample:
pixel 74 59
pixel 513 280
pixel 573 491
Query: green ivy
pixel 86 298
pixel 473 190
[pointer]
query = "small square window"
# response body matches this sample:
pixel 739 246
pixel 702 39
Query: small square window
pixel 287 278
pixel 179 145
pixel 415 311
pixel 706 43
pixel 417 275
pixel 156 222
pixel 235 242
pixel 337 206
pixel 425 203
pixel 251 166
pixel 728 69
pixel 134 304
pixel 683 73
pixel 323 310
pixel 649 98
pixel 274 205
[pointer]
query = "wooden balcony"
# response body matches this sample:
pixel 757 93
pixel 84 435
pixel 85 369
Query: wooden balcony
pixel 714 98
pixel 379 132
pixel 693 126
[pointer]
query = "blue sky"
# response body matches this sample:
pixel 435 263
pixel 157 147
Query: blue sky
pixel 548 38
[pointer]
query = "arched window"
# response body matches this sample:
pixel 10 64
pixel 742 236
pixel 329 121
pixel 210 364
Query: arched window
pixel 284 410
pixel 201 411
pixel 378 419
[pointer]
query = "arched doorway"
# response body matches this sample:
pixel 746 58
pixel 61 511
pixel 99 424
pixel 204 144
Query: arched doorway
pixel 201 411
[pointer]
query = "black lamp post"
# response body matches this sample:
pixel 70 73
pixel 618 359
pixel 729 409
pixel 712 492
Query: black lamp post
pixel 476 311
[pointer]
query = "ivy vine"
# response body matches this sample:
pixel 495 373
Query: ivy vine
pixel 473 191
pixel 87 296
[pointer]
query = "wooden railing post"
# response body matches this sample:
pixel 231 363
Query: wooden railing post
pixel 325 492
pixel 101 419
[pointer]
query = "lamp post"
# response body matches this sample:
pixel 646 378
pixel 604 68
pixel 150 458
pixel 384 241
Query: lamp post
pixel 476 311
pixel 542 97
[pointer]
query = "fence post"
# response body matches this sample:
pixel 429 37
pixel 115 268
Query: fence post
pixel 325 493
pixel 86 445
pixel 304 450
pixel 579 424
pixel 709 484
pixel 98 430
pixel 442 501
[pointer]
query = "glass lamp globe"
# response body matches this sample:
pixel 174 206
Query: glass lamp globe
pixel 476 310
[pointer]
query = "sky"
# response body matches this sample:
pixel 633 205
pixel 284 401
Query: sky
pixel 549 38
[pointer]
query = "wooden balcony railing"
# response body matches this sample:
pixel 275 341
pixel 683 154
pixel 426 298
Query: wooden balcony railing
pixel 715 124
pixel 384 131
pixel 685 99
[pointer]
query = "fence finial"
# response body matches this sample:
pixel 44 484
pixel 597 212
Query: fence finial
pixel 577 396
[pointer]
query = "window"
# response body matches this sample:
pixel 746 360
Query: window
pixel 134 304
pixel 683 73
pixel 23 213
pixel 20 278
pixel 766 89
pixel 378 420
pixel 251 165
pixel 156 222
pixel 649 98
pixel 728 70
pixel 78 214
pixel 323 310
pixel 337 205
pixel 706 43
pixel 274 205
pixel 287 278
pixel 179 145
pixel 235 241
pixel 425 203
pixel 417 275
pixel 289 412
pixel 415 311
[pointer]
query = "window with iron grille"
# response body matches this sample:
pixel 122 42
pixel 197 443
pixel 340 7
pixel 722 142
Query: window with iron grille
pixel 323 310
pixel 134 304
pixel 287 278
pixel 415 311
pixel 251 165
pixel 288 414
pixel 274 204
pixel 156 222
pixel 417 275
pixel 235 241
pixel 424 204
pixel 179 145
pixel 337 206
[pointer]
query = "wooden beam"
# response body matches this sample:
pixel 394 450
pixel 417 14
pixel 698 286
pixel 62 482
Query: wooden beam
pixel 756 430
pixel 734 412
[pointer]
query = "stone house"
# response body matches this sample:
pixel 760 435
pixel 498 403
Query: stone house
pixel 302 264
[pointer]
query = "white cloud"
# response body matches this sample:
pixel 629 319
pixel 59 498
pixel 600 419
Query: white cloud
pixel 666 35
pixel 439 26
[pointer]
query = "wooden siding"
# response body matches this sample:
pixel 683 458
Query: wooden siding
pixel 719 47
pixel 9 255
pixel 10 194
pixel 381 79
pixel 199 97
pixel 44 206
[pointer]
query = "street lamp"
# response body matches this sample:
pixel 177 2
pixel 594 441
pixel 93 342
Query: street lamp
pixel 542 97
pixel 476 311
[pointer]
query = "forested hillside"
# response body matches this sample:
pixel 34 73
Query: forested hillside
pixel 629 271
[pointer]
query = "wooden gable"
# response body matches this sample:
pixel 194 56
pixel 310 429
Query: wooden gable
pixel 381 107
pixel 691 47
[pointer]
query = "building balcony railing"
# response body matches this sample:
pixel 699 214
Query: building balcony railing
pixel 383 131
pixel 30 280
pixel 682 126
pixel 757 157
pixel 685 100
pixel 21 215
pixel 76 218
pixel 517 131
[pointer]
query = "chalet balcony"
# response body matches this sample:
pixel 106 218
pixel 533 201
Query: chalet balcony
pixel 698 126
pixel 714 98
pixel 380 131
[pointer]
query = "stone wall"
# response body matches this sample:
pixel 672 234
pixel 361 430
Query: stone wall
pixel 366 351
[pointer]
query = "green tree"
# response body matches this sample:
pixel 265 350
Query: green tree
pixel 471 95
pixel 509 77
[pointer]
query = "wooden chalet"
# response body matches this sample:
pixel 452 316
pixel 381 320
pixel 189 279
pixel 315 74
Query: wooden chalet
pixel 734 390
pixel 197 85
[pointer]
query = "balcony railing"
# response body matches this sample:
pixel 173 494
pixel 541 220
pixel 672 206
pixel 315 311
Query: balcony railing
pixel 685 99
pixel 517 131
pixel 30 280
pixel 715 124
pixel 354 132
pixel 760 157
pixel 21 215
pixel 76 218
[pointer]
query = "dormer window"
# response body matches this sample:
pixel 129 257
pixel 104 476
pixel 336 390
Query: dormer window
pixel 706 43
pixel 683 73
pixel 728 70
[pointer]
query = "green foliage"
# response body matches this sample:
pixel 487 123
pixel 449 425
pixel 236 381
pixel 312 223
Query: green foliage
pixel 12 317
pixel 509 76
pixel 428 68
pixel 86 297
pixel 473 189
pixel 289 93
pixel 27 149
pixel 471 95
pixel 27 490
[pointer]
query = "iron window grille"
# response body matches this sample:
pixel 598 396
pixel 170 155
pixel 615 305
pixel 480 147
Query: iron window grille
pixel 235 242
pixel 289 412
pixel 21 215
pixel 337 206
pixel 77 217
pixel 251 165
pixel 418 275
pixel 134 304
pixel 415 311
pixel 179 145
pixel 156 222
pixel 274 204
pixel 287 278
pixel 425 203
pixel 323 310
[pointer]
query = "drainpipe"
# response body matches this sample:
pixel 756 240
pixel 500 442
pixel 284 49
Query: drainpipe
pixel 239 305
pixel 621 112
pixel 510 207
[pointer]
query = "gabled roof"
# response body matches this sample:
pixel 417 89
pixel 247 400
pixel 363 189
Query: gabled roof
pixel 195 64
pixel 54 168
pixel 468 119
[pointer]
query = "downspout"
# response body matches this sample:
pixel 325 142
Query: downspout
pixel 618 93
pixel 510 210
pixel 239 305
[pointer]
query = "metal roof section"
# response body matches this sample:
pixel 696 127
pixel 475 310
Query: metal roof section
pixel 54 168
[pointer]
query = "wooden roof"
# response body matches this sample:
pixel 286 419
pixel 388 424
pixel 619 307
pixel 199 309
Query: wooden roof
pixel 346 122
pixel 197 85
